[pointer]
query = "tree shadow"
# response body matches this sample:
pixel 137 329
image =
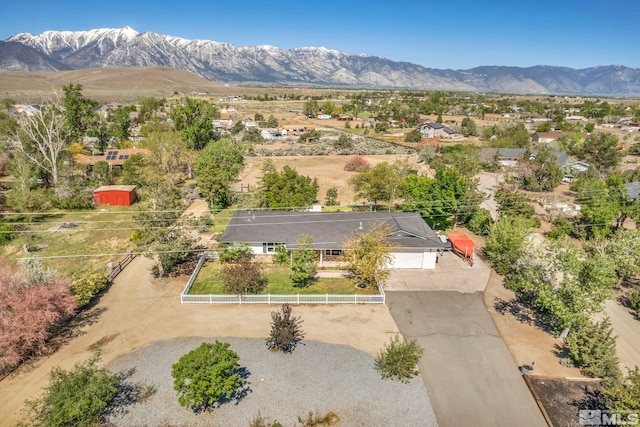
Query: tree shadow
pixel 520 308
pixel 128 394
pixel 235 398
pixel 593 398
pixel 76 326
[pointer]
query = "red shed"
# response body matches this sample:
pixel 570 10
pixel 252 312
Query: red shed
pixel 115 195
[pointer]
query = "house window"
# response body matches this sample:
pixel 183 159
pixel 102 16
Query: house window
pixel 332 252
pixel 270 248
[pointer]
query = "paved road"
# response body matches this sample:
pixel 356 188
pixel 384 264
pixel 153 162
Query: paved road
pixel 469 373
pixel 627 328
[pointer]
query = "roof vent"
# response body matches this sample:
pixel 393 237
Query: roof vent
pixel 360 227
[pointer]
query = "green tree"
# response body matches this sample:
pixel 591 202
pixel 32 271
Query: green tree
pixel 206 374
pixel 78 111
pixel 304 264
pixel 101 172
pixel 468 127
pixel 286 330
pixel 344 142
pixel 624 395
pixel 413 136
pixel 287 189
pixel 513 203
pixel 381 183
pixel 328 107
pixel 398 360
pixel 217 167
pixel 592 347
pixel 77 397
pixel 367 255
pixel 506 242
pixel 601 150
pixel 331 198
pixel 541 173
pixel 120 123
pixel 464 157
pixel 596 206
pixel 442 199
pixel 311 108
pixel 193 119
pixel 244 276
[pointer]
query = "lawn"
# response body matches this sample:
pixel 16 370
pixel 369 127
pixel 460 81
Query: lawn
pixel 279 283
pixel 81 242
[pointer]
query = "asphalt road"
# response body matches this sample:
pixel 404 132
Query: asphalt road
pixel 469 373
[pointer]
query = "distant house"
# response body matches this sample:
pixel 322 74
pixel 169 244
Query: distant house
pixel 265 231
pixel 436 130
pixel 115 157
pixel 324 116
pixel 546 137
pixel 115 195
pixel 511 156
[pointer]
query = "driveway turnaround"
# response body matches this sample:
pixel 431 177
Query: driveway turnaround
pixel 468 371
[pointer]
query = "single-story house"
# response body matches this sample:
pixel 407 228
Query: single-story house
pixel 264 231
pixel 436 130
pixel 115 156
pixel 115 195
pixel 511 156
pixel 546 137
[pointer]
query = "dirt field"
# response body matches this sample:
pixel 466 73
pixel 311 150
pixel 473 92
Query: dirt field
pixel 138 310
pixel 329 170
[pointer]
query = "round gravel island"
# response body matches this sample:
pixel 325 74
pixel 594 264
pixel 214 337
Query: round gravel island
pixel 317 377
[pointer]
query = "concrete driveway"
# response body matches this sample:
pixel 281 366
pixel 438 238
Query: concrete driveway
pixel 468 371
pixel 451 274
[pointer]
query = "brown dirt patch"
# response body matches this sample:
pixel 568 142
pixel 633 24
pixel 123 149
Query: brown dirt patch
pixel 329 170
pixel 562 398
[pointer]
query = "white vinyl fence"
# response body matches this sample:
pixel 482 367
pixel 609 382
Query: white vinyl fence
pixel 185 298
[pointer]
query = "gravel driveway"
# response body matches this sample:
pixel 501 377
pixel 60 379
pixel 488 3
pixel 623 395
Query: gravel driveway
pixel 316 377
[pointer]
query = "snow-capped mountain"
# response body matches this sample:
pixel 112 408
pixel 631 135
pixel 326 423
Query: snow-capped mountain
pixel 223 62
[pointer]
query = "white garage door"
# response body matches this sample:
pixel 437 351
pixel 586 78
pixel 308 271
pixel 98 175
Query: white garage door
pixel 406 260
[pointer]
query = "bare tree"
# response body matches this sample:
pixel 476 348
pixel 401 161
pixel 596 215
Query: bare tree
pixel 43 137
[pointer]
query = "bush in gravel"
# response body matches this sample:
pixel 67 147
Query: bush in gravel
pixel 399 359
pixel 206 374
pixel 286 331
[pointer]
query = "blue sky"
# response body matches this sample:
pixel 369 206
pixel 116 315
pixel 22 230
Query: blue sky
pixel 458 34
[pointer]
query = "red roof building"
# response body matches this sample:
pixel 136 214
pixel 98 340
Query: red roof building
pixel 115 195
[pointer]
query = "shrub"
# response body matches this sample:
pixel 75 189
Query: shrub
pixel 286 331
pixel 399 359
pixel 85 288
pixel 634 300
pixel 206 374
pixel 234 252
pixel 315 419
pixel 357 164
pixel 413 136
pixel 625 395
pixel 481 222
pixel 77 397
pixel 243 277
pixel 593 349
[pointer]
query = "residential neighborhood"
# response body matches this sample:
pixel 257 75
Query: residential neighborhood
pixel 493 237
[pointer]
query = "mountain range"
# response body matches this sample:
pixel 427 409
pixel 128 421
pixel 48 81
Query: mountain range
pixel 317 66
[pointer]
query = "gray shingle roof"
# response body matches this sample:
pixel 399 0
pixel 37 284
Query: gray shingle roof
pixel 329 230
